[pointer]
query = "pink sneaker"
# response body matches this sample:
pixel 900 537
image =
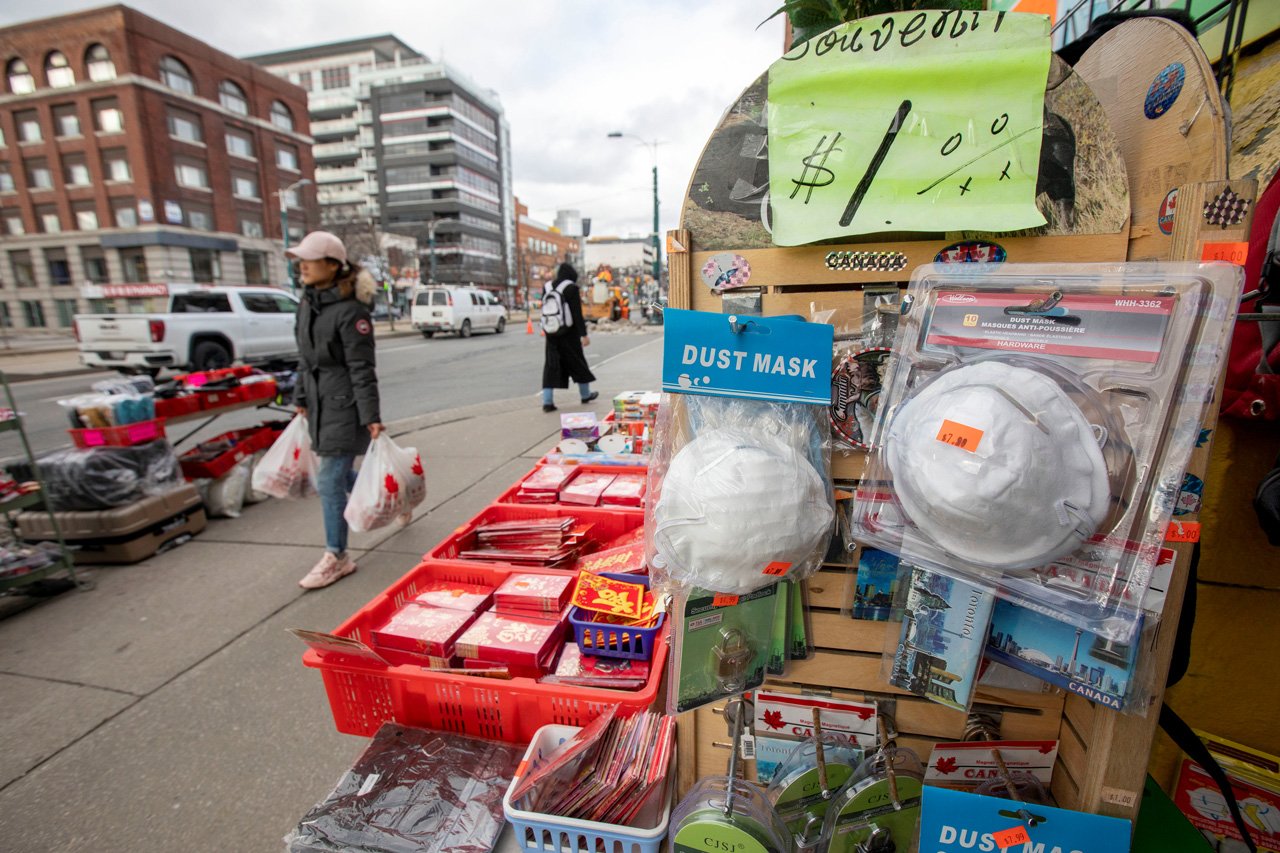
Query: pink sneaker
pixel 331 568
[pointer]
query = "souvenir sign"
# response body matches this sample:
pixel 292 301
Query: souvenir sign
pixel 855 393
pixel 958 822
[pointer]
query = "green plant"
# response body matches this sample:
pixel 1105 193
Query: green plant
pixel 810 17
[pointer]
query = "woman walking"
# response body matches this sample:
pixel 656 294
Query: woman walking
pixel 337 384
pixel 565 359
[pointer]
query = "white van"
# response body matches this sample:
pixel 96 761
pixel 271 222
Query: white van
pixel 457 309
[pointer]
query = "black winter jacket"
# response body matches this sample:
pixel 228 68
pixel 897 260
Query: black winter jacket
pixel 337 381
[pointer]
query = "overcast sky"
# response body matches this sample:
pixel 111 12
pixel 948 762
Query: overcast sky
pixel 567 72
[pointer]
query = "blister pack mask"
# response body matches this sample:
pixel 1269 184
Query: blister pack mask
pixel 996 464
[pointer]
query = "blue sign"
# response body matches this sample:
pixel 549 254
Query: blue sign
pixel 957 822
pixel 758 358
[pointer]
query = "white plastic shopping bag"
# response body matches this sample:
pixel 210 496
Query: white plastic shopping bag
pixel 289 468
pixel 390 484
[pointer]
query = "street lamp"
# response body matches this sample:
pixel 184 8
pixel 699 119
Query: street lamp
pixel 283 195
pixel 657 253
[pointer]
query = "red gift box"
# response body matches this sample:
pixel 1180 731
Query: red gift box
pixel 422 630
pixel 523 644
pixel 530 593
pixel 468 597
pixel 625 490
pixel 586 489
pixel 544 484
pixel 625 559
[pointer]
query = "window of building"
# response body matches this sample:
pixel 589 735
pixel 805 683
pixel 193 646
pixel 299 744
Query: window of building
pixel 6 179
pixel 185 126
pixel 287 157
pixel 58 71
pixel 5 319
pixel 86 215
pixel 33 313
pixel 66 122
pixel 115 165
pixel 231 96
pixel 191 173
pixel 133 262
pixel 205 267
pixel 28 124
pixel 24 269
pixel 75 170
pixel 47 218
pixel 199 218
pixel 125 214
pixel 244 185
pixel 13 224
pixel 59 267
pixel 66 312
pixel 255 272
pixel 176 75
pixel 250 226
pixel 280 116
pixel 95 264
pixel 302 78
pixel 335 78
pixel 99 63
pixel 20 80
pixel 39 177
pixel 240 145
pixel 107 117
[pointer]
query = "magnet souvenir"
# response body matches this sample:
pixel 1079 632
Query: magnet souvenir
pixel 856 381
pixel 866 261
pixel 1168 209
pixel 972 252
pixel 1190 496
pixel 726 271
pixel 1164 90
pixel 1227 208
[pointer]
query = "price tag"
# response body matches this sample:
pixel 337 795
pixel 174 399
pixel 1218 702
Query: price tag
pixel 1011 837
pixel 723 600
pixel 1183 531
pixel 777 569
pixel 959 435
pixel 1232 253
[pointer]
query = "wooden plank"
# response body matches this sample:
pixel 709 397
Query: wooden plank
pixel 688 752
pixel 679 269
pixel 837 631
pixel 1079 712
pixel 1072 753
pixel 848 466
pixel 831 588
pixel 1064 789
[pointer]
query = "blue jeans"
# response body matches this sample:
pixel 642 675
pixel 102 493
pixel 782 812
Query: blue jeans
pixel 334 483
pixel 584 388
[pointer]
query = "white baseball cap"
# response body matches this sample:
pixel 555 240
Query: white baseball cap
pixel 317 245
pixel 997 465
pixel 732 502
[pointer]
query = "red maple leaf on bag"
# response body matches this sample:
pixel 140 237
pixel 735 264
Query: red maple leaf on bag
pixel 417 466
pixel 297 451
pixel 773 719
pixel 945 766
pixel 391 485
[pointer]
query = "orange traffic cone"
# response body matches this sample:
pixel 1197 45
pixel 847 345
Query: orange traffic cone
pixel 528 326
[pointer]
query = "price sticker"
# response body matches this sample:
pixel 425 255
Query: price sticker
pixel 959 435
pixel 1011 837
pixel 1183 531
pixel 1232 253
pixel 723 600
pixel 777 569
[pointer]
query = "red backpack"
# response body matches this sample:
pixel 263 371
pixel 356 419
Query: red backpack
pixel 1252 389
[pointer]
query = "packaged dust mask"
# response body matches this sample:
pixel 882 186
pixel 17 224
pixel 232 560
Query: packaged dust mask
pixel 998 465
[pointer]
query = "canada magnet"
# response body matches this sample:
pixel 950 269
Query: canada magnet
pixel 1226 208
pixel 726 271
pixel 1168 208
pixel 1164 90
pixel 1190 497
pixel 972 252
pixel 856 381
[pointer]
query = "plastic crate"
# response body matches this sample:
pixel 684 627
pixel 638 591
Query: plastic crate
pixel 195 380
pixel 364 694
pixel 509 496
pixel 604 640
pixel 247 442
pixel 174 407
pixel 119 436
pixel 219 399
pixel 541 833
pixel 607 524
pixel 263 390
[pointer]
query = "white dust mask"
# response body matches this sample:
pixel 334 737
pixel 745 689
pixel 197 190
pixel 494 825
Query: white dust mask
pixel 732 503
pixel 995 464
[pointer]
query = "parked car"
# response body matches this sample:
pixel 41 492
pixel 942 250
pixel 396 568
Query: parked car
pixel 382 311
pixel 457 309
pixel 206 327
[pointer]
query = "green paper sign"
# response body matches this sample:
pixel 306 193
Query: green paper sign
pixel 914 121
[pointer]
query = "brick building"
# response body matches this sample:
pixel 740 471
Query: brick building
pixel 539 250
pixel 132 152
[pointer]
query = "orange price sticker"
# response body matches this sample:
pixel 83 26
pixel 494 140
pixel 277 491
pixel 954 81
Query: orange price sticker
pixel 959 435
pixel 777 569
pixel 723 600
pixel 1183 531
pixel 1011 837
pixel 1232 253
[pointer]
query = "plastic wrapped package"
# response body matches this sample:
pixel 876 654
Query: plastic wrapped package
pixel 739 493
pixel 252 495
pixel 106 477
pixel 414 790
pixel 289 468
pixel 224 496
pixel 390 484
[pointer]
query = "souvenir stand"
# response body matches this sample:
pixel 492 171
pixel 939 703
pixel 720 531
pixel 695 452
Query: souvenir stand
pixel 1132 167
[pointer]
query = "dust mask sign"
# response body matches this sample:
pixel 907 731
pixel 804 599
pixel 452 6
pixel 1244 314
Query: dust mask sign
pixel 759 358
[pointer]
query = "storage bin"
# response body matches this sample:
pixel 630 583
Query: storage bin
pixel 175 407
pixel 601 639
pixel 246 443
pixel 119 436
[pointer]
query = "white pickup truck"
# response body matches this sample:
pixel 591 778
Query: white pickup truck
pixel 206 327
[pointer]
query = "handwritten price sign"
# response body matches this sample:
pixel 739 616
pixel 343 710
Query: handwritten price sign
pixel 914 121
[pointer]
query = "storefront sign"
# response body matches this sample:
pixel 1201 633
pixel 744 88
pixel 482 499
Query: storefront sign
pixel 133 291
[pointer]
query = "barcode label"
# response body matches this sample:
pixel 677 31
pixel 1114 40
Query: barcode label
pixel 747 748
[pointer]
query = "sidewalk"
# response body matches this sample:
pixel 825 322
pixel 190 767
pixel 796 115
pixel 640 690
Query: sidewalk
pixel 168 709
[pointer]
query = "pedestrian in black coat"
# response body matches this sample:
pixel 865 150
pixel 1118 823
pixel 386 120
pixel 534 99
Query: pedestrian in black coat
pixel 565 359
pixel 337 386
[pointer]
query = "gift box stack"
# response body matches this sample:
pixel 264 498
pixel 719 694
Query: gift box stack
pixel 634 415
pixel 543 485
pixel 582 486
pixel 546 542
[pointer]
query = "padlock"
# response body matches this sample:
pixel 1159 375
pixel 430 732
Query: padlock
pixel 733 655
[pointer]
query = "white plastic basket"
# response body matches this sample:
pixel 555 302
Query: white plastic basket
pixel 540 833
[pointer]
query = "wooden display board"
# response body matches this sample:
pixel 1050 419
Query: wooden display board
pixel 1103 754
